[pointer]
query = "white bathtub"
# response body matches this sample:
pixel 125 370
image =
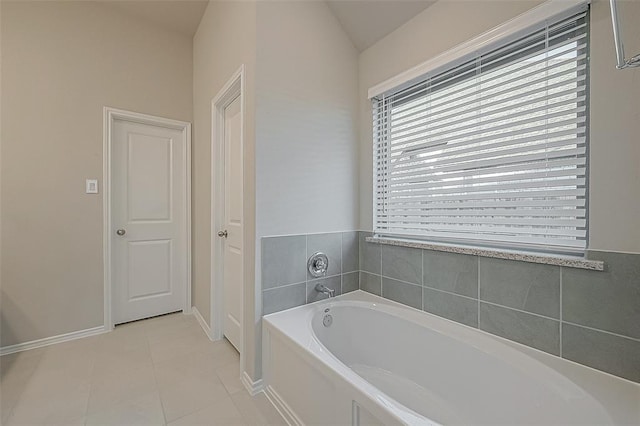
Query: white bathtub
pixel 380 362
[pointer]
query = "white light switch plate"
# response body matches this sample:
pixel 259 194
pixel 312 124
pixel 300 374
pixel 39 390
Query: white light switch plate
pixel 91 186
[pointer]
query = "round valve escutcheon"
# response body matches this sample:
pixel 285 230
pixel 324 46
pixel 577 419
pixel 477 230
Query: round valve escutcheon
pixel 318 264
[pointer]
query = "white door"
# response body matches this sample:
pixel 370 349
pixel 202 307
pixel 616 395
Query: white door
pixel 232 264
pixel 148 214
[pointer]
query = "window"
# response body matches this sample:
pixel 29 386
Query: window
pixel 491 151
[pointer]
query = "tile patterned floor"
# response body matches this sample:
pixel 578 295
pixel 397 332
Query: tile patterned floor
pixel 161 371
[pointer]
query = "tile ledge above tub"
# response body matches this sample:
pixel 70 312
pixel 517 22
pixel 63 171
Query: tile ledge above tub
pixel 547 259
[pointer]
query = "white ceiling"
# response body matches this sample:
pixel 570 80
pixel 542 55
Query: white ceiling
pixel 367 21
pixel 178 15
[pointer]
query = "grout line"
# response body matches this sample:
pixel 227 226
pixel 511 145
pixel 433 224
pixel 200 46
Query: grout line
pixel 520 310
pixel 321 278
pixel 400 281
pixel 341 263
pixel 422 277
pixel 478 282
pixel 342 252
pixel 283 286
pixel 381 271
pixel 561 274
pixel 306 273
pixel 452 294
pixel 381 274
pixel 603 331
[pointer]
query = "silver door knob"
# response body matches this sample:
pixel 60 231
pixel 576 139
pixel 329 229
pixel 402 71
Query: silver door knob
pixel 223 233
pixel 121 232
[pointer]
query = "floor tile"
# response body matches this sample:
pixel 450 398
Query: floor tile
pixel 223 412
pixel 191 394
pixel 143 410
pixel 118 388
pixel 50 408
pixel 181 344
pixel 229 375
pixel 109 363
pixel 195 364
pixel 257 409
pixel 147 372
pixel 15 372
pixel 18 363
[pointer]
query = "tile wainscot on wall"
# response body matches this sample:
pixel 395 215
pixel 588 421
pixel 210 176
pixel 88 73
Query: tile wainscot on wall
pixel 286 282
pixel 590 317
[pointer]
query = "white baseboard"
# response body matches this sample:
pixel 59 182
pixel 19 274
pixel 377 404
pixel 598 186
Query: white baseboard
pixel 252 387
pixel 47 341
pixel 285 411
pixel 207 330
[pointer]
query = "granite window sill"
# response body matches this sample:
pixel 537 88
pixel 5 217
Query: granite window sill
pixel 522 256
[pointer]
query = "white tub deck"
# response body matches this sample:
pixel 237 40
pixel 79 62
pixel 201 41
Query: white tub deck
pixel 380 362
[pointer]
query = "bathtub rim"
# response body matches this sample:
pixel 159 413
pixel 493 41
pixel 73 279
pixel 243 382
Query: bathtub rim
pixel 314 351
pixel 595 383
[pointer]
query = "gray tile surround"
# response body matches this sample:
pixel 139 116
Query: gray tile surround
pixel 525 286
pixel 350 281
pixel 370 256
pixel 350 252
pixel 450 306
pixel 589 316
pixel 603 351
pixel 455 273
pixel 405 293
pixel 283 261
pixel 402 263
pixel 371 283
pixel 329 244
pixel 608 300
pixel 531 330
pixel 286 282
pixel 281 298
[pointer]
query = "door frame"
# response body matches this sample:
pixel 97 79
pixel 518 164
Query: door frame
pixel 110 116
pixel 233 88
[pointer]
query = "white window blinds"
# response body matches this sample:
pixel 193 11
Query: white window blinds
pixel 492 151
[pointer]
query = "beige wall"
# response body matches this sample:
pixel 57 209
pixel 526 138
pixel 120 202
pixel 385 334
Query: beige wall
pixel 226 39
pixel 62 62
pixel 614 176
pixel 615 104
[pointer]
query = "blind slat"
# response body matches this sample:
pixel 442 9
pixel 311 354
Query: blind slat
pixel 491 204
pixel 516 109
pixel 492 151
pixel 449 97
pixel 488 213
pixel 558 50
pixel 541 165
pixel 462 184
pixel 476 163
